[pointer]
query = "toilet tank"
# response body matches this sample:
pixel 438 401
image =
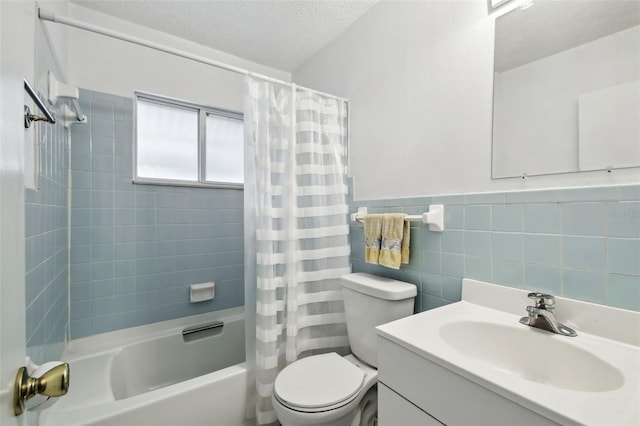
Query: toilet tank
pixel 370 301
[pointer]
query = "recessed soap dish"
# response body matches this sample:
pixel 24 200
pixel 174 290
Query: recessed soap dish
pixel 202 292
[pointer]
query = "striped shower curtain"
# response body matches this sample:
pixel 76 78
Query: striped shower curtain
pixel 296 140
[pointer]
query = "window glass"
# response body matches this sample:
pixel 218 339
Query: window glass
pixel 225 149
pixel 167 142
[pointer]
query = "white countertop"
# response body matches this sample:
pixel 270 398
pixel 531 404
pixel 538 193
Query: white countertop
pixel 619 405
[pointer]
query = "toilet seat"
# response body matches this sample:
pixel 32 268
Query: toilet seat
pixel 319 383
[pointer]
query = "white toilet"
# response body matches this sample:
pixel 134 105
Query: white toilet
pixel 332 390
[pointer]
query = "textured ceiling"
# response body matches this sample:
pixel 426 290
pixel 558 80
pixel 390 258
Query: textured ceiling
pixel 552 26
pixel 279 33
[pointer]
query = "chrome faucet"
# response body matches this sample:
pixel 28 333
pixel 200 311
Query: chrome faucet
pixel 541 315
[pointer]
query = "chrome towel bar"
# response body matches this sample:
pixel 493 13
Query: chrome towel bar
pixel 28 117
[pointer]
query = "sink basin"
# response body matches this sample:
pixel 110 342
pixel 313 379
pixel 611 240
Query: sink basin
pixel 478 343
pixel 532 354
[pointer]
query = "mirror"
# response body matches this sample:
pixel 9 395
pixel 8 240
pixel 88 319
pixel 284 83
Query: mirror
pixel 566 87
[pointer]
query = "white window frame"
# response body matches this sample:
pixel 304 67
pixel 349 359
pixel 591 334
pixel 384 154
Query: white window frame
pixel 203 111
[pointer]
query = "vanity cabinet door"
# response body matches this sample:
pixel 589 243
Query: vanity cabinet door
pixel 449 397
pixel 394 410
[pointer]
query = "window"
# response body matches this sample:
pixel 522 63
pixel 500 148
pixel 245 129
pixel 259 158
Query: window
pixel 180 143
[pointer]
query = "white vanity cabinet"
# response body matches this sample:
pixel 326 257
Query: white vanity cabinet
pixel 475 363
pixel 393 409
pixel 415 391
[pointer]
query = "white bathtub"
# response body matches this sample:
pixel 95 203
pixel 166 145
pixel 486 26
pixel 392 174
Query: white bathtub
pixel 148 376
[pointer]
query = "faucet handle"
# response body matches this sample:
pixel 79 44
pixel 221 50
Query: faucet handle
pixel 543 301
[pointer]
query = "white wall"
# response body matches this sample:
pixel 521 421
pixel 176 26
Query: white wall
pixel 112 66
pixel 16 63
pixel 419 77
pixel 536 114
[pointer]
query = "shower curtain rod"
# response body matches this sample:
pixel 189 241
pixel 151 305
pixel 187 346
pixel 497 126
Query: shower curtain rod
pixel 46 15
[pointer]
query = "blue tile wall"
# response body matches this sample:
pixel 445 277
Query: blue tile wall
pixel 135 249
pixel 581 243
pixel 46 246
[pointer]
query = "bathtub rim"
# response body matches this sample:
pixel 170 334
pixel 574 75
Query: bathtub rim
pixel 100 413
pixel 113 340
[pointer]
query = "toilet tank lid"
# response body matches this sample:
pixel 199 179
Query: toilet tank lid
pixel 380 287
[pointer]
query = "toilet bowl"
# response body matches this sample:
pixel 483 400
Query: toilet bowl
pixel 332 390
pixel 323 390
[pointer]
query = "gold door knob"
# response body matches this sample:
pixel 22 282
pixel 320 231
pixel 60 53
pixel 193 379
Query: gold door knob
pixel 53 383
